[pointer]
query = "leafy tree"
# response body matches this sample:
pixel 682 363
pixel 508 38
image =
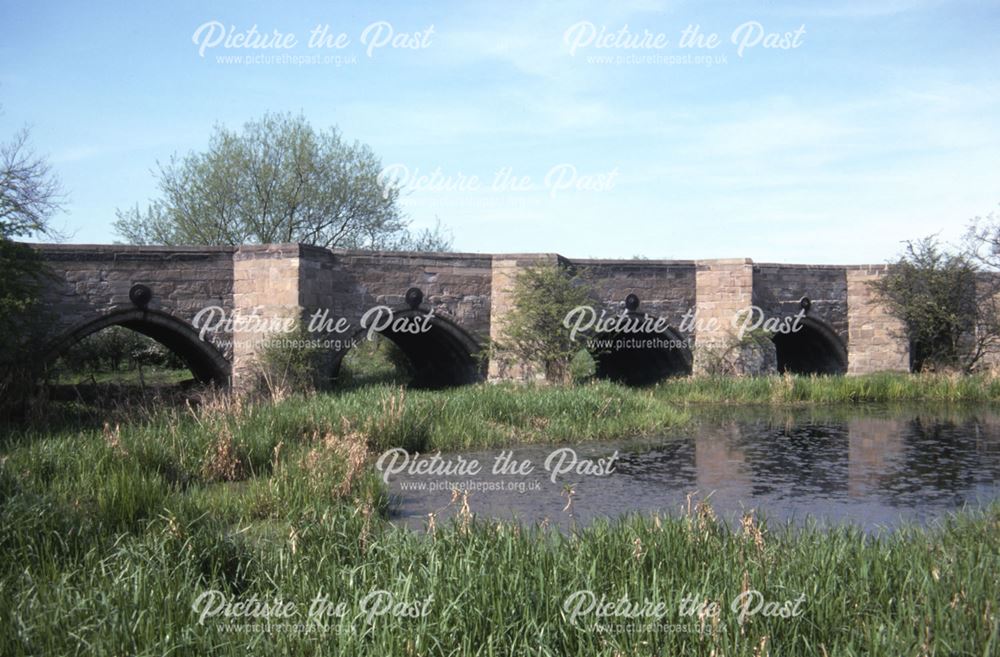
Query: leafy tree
pixel 30 195
pixel 947 306
pixel 534 333
pixel 114 349
pixel 277 180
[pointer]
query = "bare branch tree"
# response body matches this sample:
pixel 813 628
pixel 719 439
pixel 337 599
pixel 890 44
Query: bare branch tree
pixel 30 195
pixel 29 192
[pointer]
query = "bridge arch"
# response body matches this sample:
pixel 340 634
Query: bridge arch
pixel 206 362
pixel 641 358
pixel 443 356
pixel 814 349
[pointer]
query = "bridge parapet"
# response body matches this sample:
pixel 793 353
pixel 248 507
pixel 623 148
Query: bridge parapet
pixel 469 295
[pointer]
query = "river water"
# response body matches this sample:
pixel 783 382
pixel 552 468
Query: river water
pixel 873 466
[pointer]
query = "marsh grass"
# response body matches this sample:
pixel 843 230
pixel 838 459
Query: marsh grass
pixel 109 533
pixel 120 577
pixel 873 388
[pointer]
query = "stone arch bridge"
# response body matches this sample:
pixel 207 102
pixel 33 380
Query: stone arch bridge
pixel 172 293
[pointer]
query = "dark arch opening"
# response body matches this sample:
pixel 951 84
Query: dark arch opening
pixel 206 363
pixel 443 356
pixel 643 358
pixel 813 349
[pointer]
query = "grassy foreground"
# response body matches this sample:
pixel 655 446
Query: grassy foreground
pixel 111 534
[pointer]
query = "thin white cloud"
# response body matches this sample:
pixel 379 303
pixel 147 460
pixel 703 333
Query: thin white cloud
pixel 861 8
pixel 76 154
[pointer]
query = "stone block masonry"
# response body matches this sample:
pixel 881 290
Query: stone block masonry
pixel 876 338
pixel 469 295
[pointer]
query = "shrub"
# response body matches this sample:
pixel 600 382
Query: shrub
pixel 534 333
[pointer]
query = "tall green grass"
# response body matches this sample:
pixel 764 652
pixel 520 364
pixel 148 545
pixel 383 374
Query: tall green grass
pixel 117 573
pixel 110 533
pixel 879 388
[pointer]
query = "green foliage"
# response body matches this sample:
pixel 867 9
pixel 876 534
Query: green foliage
pixel 800 390
pixel 292 361
pixel 534 333
pixel 22 324
pixel 583 367
pixel 277 180
pixel 109 535
pixel 949 321
pixel 752 353
pixel 113 350
pixel 30 195
pixel 374 361
pixel 21 274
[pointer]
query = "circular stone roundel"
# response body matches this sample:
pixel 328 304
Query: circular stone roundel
pixel 414 297
pixel 140 295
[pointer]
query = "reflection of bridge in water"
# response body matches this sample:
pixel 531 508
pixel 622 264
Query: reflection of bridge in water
pixel 469 294
pixel 870 466
pixel 906 462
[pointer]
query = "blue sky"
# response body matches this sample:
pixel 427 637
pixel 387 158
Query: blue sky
pixel 882 124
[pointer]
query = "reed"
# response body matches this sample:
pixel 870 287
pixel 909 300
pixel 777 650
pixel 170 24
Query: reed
pixel 110 534
pixel 114 563
pixel 877 388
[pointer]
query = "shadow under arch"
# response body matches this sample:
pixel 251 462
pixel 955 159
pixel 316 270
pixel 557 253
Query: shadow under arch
pixel 814 349
pixel 641 358
pixel 443 356
pixel 206 362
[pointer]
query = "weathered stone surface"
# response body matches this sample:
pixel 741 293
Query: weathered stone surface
pixel 876 340
pixel 470 293
pixel 723 288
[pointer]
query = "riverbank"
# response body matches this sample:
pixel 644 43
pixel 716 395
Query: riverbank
pixel 872 388
pixel 105 555
pixel 113 532
pixel 488 415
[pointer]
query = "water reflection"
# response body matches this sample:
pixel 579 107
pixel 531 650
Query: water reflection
pixel 874 466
